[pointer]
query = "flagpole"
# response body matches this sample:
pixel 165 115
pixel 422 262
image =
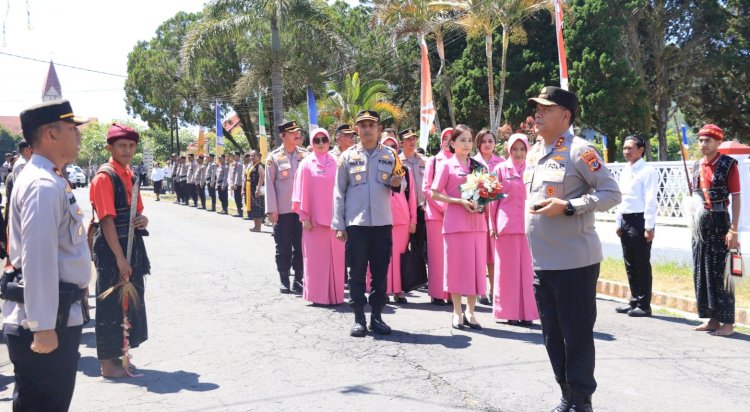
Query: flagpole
pixel 684 154
pixel 427 108
pixel 561 46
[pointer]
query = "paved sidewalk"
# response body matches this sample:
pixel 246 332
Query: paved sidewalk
pixel 223 339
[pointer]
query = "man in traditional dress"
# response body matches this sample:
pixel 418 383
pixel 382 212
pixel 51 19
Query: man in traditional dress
pixel 51 264
pixel 111 196
pixel 716 180
pixel 365 177
pixel 281 168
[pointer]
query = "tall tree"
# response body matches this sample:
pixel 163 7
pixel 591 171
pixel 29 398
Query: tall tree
pixel 343 103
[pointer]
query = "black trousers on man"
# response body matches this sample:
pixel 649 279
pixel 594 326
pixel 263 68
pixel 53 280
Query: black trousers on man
pixel 223 198
pixel 44 382
pixel 212 195
pixel 287 233
pixel 192 190
pixel 238 199
pixel 373 245
pixel 201 190
pixel 637 255
pixel 567 308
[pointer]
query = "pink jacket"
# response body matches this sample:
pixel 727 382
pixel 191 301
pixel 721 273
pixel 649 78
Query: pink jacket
pixel 448 177
pixel 507 215
pixel 494 161
pixel 433 210
pixel 312 197
pixel 405 212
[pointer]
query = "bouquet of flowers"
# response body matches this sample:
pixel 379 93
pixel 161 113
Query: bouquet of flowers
pixel 481 188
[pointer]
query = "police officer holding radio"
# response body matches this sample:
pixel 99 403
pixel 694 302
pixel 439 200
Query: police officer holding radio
pixel 48 248
pixel 281 167
pixel 366 175
pixel 567 183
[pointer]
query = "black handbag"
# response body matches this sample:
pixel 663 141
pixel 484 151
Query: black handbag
pixel 413 268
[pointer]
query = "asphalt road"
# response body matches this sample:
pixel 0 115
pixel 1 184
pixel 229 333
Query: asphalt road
pixel 223 339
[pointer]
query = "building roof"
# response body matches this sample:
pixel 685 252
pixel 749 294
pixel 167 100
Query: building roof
pixel 51 89
pixel 13 123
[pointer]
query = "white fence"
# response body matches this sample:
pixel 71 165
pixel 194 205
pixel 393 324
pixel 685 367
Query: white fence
pixel 673 188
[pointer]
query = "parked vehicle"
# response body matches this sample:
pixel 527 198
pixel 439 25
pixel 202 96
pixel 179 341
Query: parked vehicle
pixel 76 177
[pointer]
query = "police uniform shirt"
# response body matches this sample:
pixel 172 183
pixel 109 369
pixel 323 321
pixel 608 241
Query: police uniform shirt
pixel 18 166
pixel 362 192
pixel 416 165
pixel 239 173
pixel 183 171
pixel 222 172
pixel 48 243
pixel 281 168
pixel 211 173
pixel 568 169
pixel 191 170
pixel 200 175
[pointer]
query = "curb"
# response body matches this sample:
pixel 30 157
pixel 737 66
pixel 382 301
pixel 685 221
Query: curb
pixel 622 291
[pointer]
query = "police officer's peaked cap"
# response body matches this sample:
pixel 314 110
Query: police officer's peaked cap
pixel 555 96
pixel 288 127
pixel 200 156
pixel 345 128
pixel 407 133
pixel 48 112
pixel 235 153
pixel 368 115
pixel 211 155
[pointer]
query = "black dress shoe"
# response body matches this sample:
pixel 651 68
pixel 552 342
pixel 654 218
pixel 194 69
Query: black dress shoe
pixel 438 302
pixel 623 309
pixel 565 399
pixel 484 300
pixel 456 322
pixel 526 323
pixel 358 330
pixel 514 322
pixel 581 403
pixel 284 290
pixel 400 299
pixel 378 326
pixel 476 326
pixel 639 313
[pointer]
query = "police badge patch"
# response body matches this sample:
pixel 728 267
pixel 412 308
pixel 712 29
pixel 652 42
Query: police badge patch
pixel 591 159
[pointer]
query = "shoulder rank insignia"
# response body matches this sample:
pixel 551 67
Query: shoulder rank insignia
pixel 560 141
pixel 269 162
pixel 558 158
pixel 591 159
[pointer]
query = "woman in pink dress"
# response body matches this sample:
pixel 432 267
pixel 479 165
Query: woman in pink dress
pixel 513 298
pixel 485 142
pixel 433 216
pixel 312 199
pixel 464 230
pixel 404 212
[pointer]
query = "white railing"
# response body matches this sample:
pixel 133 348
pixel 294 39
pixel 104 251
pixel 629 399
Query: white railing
pixel 673 188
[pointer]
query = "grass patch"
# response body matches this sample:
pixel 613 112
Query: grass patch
pixel 671 278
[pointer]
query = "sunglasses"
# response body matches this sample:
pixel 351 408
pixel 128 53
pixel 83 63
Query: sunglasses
pixel 320 140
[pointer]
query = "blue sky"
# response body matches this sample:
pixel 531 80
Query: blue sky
pixel 93 34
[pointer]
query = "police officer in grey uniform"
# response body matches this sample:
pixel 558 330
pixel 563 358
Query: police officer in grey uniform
pixel 366 175
pixel 567 182
pixel 48 249
pixel 182 172
pixel 192 168
pixel 211 180
pixel 200 182
pixel 222 183
pixel 281 167
pixel 236 173
pixel 346 137
pixel 416 163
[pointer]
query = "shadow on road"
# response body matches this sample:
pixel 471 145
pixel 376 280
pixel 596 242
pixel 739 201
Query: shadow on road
pixel 152 380
pixel 449 342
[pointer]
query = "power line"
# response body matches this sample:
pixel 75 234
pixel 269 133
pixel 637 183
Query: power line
pixel 63 65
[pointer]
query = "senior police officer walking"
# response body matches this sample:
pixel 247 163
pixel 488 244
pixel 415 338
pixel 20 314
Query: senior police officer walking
pixel 567 183
pixel 366 175
pixel 281 167
pixel 48 249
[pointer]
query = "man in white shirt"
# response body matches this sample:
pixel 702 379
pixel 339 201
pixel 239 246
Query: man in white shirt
pixel 636 221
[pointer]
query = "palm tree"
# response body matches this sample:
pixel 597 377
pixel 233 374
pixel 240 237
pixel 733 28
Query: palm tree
pixel 241 17
pixel 419 17
pixel 482 18
pixel 343 104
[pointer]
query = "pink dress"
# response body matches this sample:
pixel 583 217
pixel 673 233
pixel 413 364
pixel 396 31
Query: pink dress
pixel 433 215
pixel 514 276
pixel 464 235
pixel 494 161
pixel 404 212
pixel 323 254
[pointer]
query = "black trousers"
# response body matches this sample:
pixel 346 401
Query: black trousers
pixel 288 236
pixel 637 255
pixel 212 194
pixel 567 308
pixel 44 382
pixel 421 235
pixel 201 190
pixel 368 244
pixel 223 198
pixel 238 199
pixel 182 192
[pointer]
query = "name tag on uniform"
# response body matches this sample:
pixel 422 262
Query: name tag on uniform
pixel 528 174
pixel 386 162
pixel 553 165
pixel 284 166
pixel 554 175
pixel 357 169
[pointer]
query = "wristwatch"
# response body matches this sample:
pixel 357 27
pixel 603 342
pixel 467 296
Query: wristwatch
pixel 569 209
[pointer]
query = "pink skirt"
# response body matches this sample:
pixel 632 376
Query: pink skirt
pixel 435 268
pixel 514 280
pixel 491 242
pixel 400 237
pixel 323 257
pixel 465 263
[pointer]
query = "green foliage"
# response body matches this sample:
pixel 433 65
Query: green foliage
pixel 8 140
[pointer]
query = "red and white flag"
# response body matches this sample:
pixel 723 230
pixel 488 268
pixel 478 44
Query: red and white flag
pixel 561 46
pixel 427 108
